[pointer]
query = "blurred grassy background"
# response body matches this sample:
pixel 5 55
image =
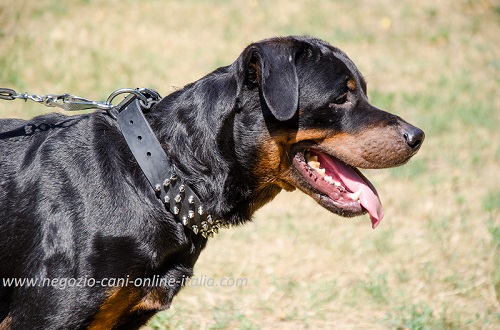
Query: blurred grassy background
pixel 434 261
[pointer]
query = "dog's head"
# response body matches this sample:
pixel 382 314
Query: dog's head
pixel 319 124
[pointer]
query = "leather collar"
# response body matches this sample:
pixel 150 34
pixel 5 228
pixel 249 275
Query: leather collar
pixel 171 189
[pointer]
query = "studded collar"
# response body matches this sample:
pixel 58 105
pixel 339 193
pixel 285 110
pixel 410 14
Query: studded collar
pixel 175 194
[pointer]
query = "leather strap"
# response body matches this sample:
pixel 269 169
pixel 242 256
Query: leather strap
pixel 178 197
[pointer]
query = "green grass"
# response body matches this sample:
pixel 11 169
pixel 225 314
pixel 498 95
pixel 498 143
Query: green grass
pixel 492 204
pixel 424 317
pixel 377 287
pixel 433 263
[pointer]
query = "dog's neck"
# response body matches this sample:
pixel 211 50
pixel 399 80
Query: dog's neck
pixel 196 126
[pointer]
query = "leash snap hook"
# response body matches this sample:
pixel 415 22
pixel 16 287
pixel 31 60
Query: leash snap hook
pixel 50 100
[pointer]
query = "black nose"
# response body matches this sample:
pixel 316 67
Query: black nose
pixel 414 136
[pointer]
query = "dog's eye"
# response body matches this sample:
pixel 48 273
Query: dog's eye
pixel 339 100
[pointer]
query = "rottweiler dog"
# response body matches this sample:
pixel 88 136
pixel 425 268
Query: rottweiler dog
pixel 290 112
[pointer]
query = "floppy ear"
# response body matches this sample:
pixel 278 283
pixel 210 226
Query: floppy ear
pixel 276 75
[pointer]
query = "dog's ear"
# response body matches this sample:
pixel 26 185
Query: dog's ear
pixel 272 67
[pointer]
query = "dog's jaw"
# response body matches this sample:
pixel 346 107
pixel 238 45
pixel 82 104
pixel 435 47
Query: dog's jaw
pixel 337 186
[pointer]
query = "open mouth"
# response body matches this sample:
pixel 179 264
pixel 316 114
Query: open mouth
pixel 337 186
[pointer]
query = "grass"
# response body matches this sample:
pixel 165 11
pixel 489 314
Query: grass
pixel 424 317
pixel 433 263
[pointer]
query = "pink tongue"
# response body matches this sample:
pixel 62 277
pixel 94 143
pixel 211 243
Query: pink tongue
pixel 354 182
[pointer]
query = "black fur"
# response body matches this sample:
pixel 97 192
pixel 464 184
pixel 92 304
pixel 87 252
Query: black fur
pixel 74 203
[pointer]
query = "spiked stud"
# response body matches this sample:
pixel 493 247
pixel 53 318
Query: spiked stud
pixel 204 225
pixel 167 199
pixel 211 234
pixel 195 229
pixel 191 200
pixel 166 183
pixel 178 198
pixel 210 219
pixel 201 210
pixel 204 234
pixel 191 214
pixel 185 221
pixel 215 229
pixel 176 210
pixel 173 177
pixel 157 187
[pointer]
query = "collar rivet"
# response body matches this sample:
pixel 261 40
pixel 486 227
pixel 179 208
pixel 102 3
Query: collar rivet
pixel 210 219
pixel 204 225
pixel 178 198
pixel 195 229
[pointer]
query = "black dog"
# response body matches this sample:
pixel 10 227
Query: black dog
pixel 289 113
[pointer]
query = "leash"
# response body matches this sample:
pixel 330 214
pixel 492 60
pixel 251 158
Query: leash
pixel 171 189
pixel 70 102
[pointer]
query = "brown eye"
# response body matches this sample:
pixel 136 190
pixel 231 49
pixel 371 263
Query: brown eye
pixel 340 100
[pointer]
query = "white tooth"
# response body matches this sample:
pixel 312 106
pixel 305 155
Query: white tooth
pixel 313 164
pixel 321 171
pixel 355 196
pixel 331 181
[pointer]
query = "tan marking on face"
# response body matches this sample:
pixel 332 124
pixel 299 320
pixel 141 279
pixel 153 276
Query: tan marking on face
pixel 351 84
pixel 288 138
pixel 273 166
pixel 374 147
pixel 119 303
pixel 377 147
pixel 271 156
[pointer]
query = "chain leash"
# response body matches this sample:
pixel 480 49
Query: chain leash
pixel 147 98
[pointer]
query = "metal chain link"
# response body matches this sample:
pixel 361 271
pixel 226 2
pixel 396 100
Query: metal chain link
pixel 69 102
